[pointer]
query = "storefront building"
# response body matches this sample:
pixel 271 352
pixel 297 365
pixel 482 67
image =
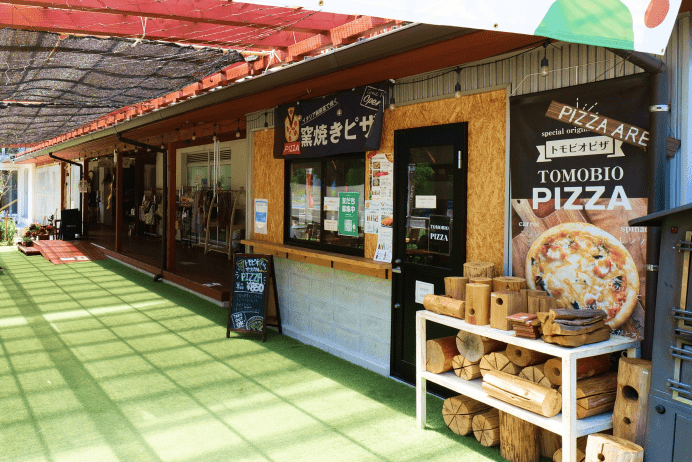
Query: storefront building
pixel 445 142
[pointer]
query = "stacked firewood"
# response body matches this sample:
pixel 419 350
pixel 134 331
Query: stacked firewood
pixel 574 327
pixel 526 325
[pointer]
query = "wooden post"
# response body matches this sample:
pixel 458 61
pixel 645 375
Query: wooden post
pixel 477 304
pixel 62 185
pixel 458 413
pixel 607 448
pixel 85 196
pixel 455 287
pixel 482 280
pixel 486 427
pixel 508 283
pixel 631 403
pixel 440 352
pixel 473 346
pixel 119 203
pixel 518 439
pixel 503 304
pixel 479 269
pixel 172 208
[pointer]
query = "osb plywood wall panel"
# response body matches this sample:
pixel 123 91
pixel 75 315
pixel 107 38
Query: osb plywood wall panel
pixel 486 114
pixel 269 184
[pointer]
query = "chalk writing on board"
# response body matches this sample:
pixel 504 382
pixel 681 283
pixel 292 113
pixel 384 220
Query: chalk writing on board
pixel 250 280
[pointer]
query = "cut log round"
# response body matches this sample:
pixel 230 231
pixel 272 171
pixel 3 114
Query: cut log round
pixel 522 393
pixel 477 304
pixel 535 374
pixel 442 304
pixel 473 346
pixel 486 427
pixel 482 280
pixel 523 357
pixel 458 412
pixel 607 448
pixel 581 450
pixel 518 439
pixel 498 361
pixel 478 269
pixel 508 283
pixel 466 369
pixel 440 353
pixel 455 287
pixel 548 442
pixel 586 367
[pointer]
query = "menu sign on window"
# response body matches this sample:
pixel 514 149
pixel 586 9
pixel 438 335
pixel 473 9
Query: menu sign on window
pixel 345 122
pixel 348 213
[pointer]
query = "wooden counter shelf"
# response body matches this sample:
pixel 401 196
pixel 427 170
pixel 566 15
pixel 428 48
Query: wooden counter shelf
pixel 338 261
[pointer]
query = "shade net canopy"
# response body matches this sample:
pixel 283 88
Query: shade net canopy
pixel 51 83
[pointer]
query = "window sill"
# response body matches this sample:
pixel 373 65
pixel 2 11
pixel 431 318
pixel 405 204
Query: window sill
pixel 350 263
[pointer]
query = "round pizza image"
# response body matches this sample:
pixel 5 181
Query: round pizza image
pixel 584 267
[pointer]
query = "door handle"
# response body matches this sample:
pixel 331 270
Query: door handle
pixel 396 269
pixel 397 306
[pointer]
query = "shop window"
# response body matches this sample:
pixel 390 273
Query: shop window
pixel 313 208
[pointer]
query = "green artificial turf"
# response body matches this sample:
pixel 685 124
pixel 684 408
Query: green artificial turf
pixel 100 363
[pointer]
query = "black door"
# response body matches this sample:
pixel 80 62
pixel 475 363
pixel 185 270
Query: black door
pixel 430 232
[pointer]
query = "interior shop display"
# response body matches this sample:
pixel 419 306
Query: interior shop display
pixel 630 412
pixel 607 448
pixel 518 439
pixel 253 279
pixel 226 204
pixel 458 413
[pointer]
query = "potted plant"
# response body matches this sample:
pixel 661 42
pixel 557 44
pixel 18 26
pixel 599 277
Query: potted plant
pixel 27 239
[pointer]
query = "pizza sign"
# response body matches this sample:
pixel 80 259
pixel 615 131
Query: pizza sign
pixel 346 122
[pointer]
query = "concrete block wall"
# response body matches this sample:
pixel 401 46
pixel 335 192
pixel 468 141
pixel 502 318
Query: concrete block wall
pixel 343 313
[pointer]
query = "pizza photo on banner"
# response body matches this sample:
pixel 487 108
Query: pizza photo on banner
pixel 345 122
pixel 578 176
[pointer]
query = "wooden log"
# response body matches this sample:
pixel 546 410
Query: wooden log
pixel 486 427
pixel 503 304
pixel 479 269
pixel 522 393
pixel 508 284
pixel 607 448
pixel 595 395
pixel 579 340
pixel 518 439
pixel 554 328
pixel 473 346
pixel 482 280
pixel 477 304
pixel 458 412
pixel 548 442
pixel 631 403
pixel 546 304
pixel 455 287
pixel 576 314
pixel 442 304
pixel 536 375
pixel 440 353
pixel 586 367
pixel 533 302
pixel 465 369
pixel 498 361
pixel 526 293
pixel 523 357
pixel 581 450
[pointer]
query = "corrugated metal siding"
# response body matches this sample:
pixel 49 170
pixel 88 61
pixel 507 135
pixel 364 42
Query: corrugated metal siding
pixel 570 64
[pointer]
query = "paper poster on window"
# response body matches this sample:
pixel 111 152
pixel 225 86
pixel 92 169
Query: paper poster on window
pixel 261 207
pixel 331 204
pixel 386 214
pixel 426 202
pixel 372 217
pixel 423 289
pixel 381 177
pixel 331 225
pixel 348 213
pixel 384 245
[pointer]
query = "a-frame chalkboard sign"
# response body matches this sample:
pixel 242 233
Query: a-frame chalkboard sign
pixel 253 278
